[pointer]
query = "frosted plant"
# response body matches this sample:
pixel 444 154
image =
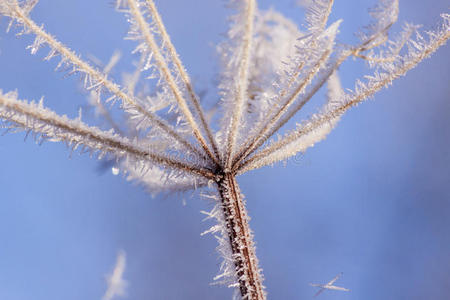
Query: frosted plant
pixel 270 71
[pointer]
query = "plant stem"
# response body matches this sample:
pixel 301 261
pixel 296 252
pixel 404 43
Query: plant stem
pixel 242 246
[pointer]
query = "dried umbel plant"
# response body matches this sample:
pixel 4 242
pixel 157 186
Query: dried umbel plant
pixel 270 71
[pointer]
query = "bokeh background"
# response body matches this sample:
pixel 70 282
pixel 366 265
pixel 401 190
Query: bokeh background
pixel 372 200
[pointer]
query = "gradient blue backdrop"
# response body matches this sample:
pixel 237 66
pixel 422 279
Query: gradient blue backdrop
pixel 373 200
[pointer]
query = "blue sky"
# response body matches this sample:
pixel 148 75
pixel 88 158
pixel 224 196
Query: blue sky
pixel 372 200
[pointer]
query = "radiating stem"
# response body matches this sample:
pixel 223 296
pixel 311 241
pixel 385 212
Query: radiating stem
pixel 248 274
pixel 282 109
pixel 242 82
pixel 184 75
pixel 98 78
pixel 167 75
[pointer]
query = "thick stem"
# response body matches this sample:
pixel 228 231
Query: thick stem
pixel 248 274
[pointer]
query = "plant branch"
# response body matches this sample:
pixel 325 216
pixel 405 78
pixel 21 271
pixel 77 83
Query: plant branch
pixel 99 78
pixel 34 117
pixel 184 75
pixel 375 83
pixel 242 81
pixel 275 116
pixel 166 74
pixel 343 56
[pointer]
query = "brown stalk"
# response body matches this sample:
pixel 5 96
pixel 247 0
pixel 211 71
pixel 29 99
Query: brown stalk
pixel 236 219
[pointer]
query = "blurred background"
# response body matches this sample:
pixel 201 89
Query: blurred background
pixel 372 200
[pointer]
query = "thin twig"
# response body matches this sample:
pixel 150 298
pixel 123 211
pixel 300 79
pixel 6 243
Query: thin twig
pixel 99 77
pixel 241 82
pixel 273 119
pixel 165 72
pixel 317 27
pixel 48 123
pixel 254 161
pixel 184 75
pixel 318 85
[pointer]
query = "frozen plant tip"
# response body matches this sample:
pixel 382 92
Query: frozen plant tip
pixel 270 71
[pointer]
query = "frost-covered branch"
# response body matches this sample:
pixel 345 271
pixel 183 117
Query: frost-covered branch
pixel 240 88
pixel 274 42
pixel 157 180
pixel 47 125
pixel 275 114
pixel 182 71
pixel 320 124
pixel 385 14
pixel 93 78
pixel 323 77
pixel 393 50
pixel 312 52
pixel 151 48
pixel 317 13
